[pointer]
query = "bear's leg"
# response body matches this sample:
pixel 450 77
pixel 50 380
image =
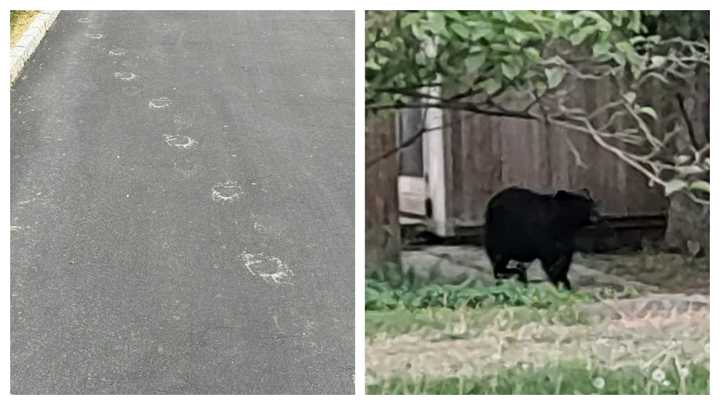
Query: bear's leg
pixel 564 280
pixel 521 270
pixel 500 270
pixel 557 269
pixel 562 270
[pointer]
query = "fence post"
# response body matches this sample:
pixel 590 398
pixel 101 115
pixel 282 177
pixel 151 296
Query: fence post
pixel 382 228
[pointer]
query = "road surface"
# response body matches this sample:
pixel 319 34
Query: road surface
pixel 182 205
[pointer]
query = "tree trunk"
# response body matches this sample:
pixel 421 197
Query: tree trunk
pixel 382 228
pixel 688 225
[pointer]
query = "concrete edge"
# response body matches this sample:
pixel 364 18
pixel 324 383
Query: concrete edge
pixel 29 41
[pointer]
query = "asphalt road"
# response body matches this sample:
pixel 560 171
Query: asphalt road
pixel 182 205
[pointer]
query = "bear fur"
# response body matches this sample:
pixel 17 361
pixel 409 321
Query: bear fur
pixel 523 225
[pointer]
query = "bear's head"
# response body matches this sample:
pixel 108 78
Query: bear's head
pixel 576 209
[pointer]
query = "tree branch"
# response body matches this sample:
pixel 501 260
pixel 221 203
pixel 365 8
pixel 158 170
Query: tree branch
pixel 406 143
pixel 457 106
pixel 688 123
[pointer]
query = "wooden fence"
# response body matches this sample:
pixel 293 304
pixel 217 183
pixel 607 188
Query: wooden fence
pixel 484 154
pixel 382 228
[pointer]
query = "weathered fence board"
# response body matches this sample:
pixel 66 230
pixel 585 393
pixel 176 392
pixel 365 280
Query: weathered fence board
pixel 491 153
pixel 382 228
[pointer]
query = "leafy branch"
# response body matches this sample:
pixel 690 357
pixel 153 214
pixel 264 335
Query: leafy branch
pixel 491 61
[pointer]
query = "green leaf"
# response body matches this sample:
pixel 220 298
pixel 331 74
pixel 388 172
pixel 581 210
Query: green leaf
pixel 500 47
pixel 509 16
pixel 630 96
pixel 648 111
pixel 635 23
pixel 689 170
pixel 455 15
pixel 578 37
pixel 460 29
pixel 601 23
pixel 510 70
pixel 419 32
pixel 674 185
pixel 517 35
pixel 700 185
pixel 601 48
pixel 554 76
pixel 619 58
pixel 680 159
pixel 371 64
pixel 483 33
pixel 618 17
pixel 410 18
pixel 657 61
pixel 578 20
pixel 532 54
pixel 384 45
pixel 431 51
pixel 490 85
pixel 638 39
pixel 437 22
pixel 474 61
pixel 630 54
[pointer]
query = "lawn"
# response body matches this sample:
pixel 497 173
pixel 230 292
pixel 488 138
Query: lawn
pixel 504 339
pixel 563 378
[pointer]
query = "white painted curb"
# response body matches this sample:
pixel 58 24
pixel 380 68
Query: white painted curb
pixel 26 45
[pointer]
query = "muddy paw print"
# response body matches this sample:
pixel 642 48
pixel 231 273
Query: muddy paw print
pixel 180 141
pixel 226 192
pixel 270 269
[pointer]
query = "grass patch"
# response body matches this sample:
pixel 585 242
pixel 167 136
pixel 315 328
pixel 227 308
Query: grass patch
pixel 381 295
pixel 401 321
pixel 459 310
pixel 19 20
pixel 563 378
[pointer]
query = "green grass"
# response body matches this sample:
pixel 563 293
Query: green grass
pixel 381 295
pixel 401 321
pixel 564 378
pixel 471 312
pixel 392 311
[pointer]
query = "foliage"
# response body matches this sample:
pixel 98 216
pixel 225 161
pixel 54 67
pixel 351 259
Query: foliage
pixel 490 49
pixel 562 378
pixel 485 61
pixel 380 295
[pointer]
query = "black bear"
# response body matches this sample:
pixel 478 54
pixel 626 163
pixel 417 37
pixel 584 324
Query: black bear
pixel 523 225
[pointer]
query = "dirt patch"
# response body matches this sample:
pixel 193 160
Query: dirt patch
pixel 669 272
pixel 650 332
pixel 647 272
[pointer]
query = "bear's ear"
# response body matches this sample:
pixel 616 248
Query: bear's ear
pixel 585 193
